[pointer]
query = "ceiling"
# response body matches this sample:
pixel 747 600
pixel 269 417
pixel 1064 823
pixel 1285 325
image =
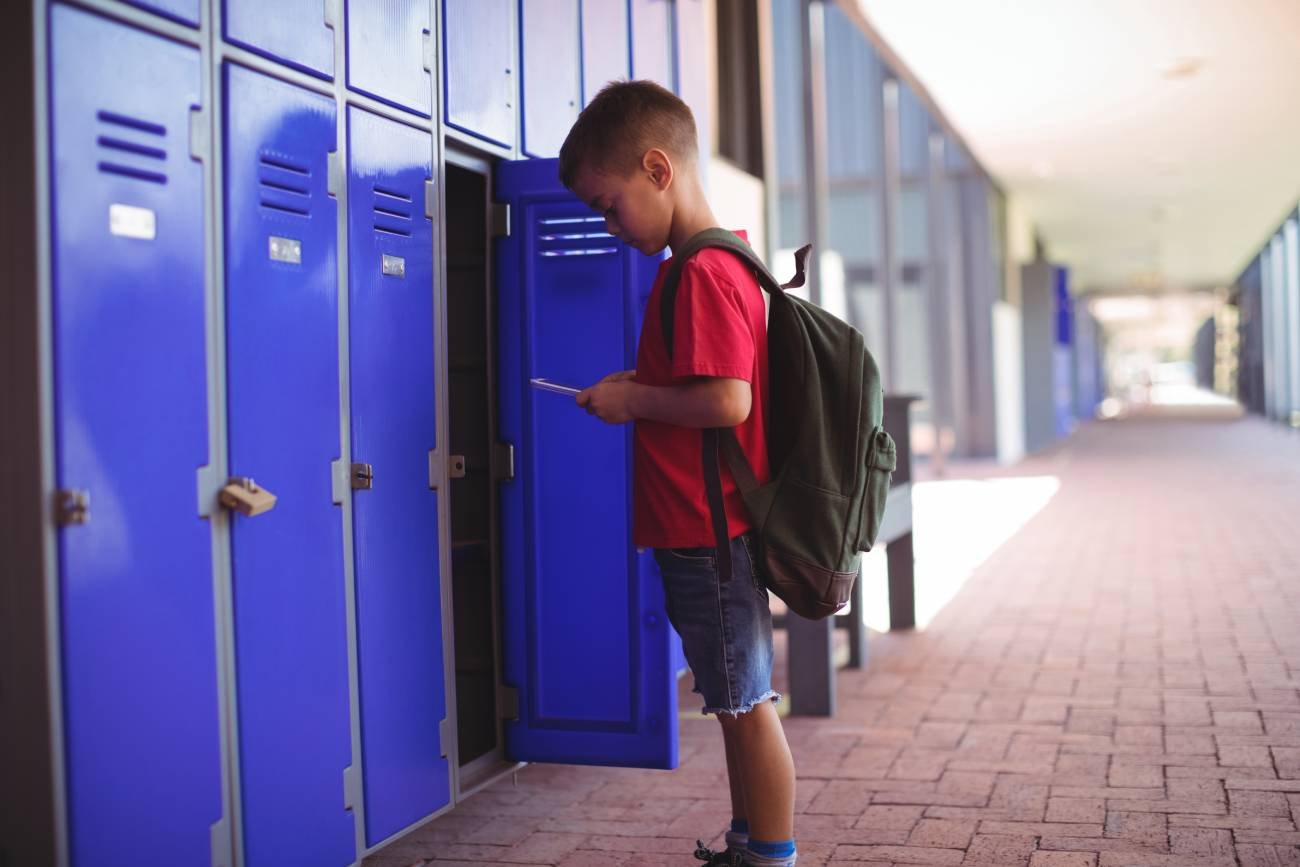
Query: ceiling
pixel 1154 144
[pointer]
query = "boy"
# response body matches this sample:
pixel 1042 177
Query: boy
pixel 632 156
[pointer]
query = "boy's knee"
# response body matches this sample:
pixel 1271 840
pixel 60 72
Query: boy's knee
pixel 739 721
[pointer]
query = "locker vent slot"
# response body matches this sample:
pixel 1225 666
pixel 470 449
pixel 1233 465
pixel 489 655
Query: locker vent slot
pixel 595 251
pixel 286 185
pixel 574 236
pixel 276 162
pixel 392 212
pixel 131 147
pixel 285 188
pixel 129 172
pixel 286 209
pixel 392 194
pixel 118 152
pixel 131 123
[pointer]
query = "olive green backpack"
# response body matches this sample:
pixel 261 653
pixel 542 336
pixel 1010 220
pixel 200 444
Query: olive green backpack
pixel 831 459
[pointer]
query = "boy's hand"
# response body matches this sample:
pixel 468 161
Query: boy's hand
pixel 610 399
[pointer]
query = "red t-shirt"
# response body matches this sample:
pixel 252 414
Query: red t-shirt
pixel 720 329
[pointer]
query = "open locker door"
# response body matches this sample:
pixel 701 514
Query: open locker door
pixel 587 644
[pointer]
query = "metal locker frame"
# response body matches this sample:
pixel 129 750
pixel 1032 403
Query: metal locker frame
pixel 429 53
pixel 590 85
pixel 548 57
pixel 481 140
pixel 170 9
pixel 309 469
pixel 190 137
pixel 493 765
pixel 391 280
pixel 670 40
pixel 283 55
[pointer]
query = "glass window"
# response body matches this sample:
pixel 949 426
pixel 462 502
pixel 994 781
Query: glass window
pixel 787 58
pixel 912 329
pixel 855 173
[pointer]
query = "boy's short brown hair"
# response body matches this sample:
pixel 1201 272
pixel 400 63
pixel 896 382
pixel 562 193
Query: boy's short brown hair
pixel 626 119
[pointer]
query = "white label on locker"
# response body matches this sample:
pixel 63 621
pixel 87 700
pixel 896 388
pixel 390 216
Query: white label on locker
pixel 128 221
pixel 394 266
pixel 286 250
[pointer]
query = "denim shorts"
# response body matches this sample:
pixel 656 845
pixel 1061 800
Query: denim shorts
pixel 726 628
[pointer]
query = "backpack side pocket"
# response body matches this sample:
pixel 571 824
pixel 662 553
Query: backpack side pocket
pixel 882 459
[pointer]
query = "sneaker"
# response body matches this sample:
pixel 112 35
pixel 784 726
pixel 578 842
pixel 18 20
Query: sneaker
pixel 726 858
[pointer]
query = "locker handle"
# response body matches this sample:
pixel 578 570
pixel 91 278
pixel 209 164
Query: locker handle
pixel 246 497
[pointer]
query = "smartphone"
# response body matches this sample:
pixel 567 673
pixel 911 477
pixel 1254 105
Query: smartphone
pixel 547 385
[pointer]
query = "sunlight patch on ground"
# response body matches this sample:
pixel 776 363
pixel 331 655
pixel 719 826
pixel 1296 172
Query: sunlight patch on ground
pixel 957 525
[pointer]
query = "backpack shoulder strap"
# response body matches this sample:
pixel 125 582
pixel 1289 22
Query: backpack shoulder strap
pixel 725 240
pixel 722 440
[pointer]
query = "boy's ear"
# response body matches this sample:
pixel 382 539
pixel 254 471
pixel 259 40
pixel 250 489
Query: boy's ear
pixel 658 167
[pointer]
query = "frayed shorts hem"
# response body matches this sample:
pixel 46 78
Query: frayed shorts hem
pixel 770 695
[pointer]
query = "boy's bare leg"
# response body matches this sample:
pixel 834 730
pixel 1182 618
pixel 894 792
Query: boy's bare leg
pixel 734 774
pixel 767 775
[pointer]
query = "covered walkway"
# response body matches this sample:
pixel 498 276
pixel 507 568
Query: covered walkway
pixel 1116 685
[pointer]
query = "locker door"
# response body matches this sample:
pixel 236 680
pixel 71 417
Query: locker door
pixel 283 378
pixel 552 83
pixel 141 724
pixel 386 52
pixel 652 42
pixel 604 46
pixel 587 643
pixel 292 32
pixel 184 11
pixel 395 519
pixel 479 76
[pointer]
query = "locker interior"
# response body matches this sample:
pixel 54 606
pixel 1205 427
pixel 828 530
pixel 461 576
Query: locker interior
pixel 474 533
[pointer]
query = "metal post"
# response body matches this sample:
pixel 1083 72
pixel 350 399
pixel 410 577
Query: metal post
pixel 816 186
pixel 902 572
pixel 892 256
pixel 938 305
pixel 812 665
pixel 856 623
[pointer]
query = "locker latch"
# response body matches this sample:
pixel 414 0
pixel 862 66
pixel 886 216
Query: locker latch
pixel 242 495
pixel 73 508
pixel 456 467
pixel 500 216
pixel 503 461
pixel 363 477
pixel 507 702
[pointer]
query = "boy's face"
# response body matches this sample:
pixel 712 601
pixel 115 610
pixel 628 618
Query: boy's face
pixel 637 208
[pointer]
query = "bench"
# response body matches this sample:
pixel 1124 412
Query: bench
pixel 810 643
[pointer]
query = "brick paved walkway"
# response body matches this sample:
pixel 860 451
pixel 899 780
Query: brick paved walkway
pixel 1116 686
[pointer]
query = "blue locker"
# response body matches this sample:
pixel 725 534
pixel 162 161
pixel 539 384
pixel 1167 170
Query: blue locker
pixel 1063 353
pixel 386 52
pixel 604 46
pixel 479 80
pixel 292 32
pixel 184 11
pixel 572 582
pixel 395 521
pixel 552 77
pixel 282 362
pixel 652 42
pixel 141 724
